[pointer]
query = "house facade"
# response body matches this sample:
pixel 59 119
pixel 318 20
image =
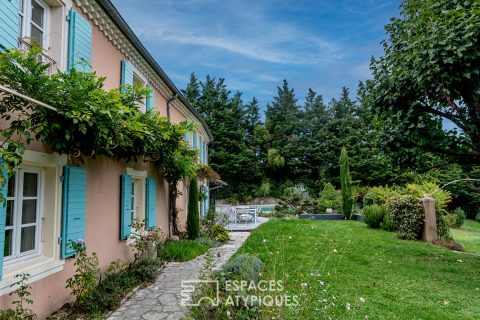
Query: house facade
pixel 52 199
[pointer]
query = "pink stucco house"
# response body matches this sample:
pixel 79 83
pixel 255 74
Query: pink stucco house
pixel 33 226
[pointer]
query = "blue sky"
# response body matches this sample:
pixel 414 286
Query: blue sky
pixel 254 45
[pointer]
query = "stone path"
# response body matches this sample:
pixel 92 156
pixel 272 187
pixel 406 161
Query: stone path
pixel 161 300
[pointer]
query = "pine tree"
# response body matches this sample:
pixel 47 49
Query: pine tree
pixel 229 153
pixel 193 219
pixel 192 92
pixel 283 123
pixel 252 117
pixel 283 116
pixel 346 184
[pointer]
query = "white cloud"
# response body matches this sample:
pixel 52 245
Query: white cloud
pixel 248 31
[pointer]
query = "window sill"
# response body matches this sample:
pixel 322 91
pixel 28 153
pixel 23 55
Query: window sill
pixel 38 268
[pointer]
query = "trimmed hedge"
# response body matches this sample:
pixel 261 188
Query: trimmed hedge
pixel 407 215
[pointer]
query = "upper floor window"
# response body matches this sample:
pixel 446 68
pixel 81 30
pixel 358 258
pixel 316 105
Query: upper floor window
pixel 34 18
pixel 139 81
pixel 22 227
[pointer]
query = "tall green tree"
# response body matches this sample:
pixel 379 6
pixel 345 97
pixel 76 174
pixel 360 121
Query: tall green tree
pixel 193 218
pixel 346 184
pixel 229 153
pixel 284 129
pixel 192 92
pixel 252 117
pixel 430 69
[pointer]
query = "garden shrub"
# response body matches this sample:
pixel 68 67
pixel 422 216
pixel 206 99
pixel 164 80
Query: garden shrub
pixel 86 275
pixel 329 198
pixel 442 197
pixel 109 293
pixel 378 195
pixel 374 215
pixel 145 241
pixel 443 230
pixel 407 216
pixel 193 219
pixel 456 219
pixel 213 217
pixel 146 268
pixel 460 217
pixel 450 220
pixel 295 200
pixel 346 184
pixel 183 250
pixel 23 294
pixel 477 217
pixel 218 233
pixel 245 267
pixel 206 241
pixel 387 223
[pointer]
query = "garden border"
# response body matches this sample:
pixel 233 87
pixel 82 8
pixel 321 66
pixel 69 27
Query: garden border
pixel 328 216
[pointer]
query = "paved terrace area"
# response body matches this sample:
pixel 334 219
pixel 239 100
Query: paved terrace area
pixel 162 299
pixel 246 226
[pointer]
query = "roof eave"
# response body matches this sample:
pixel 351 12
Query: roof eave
pixel 120 22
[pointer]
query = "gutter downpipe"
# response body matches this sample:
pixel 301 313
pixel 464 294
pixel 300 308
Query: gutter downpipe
pixel 170 100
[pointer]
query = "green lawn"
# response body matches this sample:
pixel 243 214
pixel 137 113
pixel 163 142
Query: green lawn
pixel 330 264
pixel 468 236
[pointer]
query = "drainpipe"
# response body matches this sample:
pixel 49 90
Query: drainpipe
pixel 170 100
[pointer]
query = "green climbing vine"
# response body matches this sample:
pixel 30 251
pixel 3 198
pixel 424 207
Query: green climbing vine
pixel 89 122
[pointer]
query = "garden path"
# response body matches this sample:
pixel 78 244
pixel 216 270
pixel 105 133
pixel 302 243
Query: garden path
pixel 161 300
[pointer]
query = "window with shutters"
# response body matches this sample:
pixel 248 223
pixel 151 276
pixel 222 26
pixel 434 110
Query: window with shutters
pixel 138 80
pixel 23 219
pixel 34 21
pixel 138 192
pixel 133 208
pixel 33 216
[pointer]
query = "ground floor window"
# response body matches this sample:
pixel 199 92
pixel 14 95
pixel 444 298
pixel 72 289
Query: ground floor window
pixel 22 227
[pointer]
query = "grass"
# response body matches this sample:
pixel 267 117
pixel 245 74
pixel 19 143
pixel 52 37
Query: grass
pixel 329 264
pixel 183 250
pixel 468 236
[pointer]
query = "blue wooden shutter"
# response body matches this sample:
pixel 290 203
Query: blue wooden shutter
pixel 127 73
pixel 150 101
pixel 187 137
pixel 126 207
pixel 3 213
pixel 195 143
pixel 151 207
pixel 79 42
pixel 207 201
pixel 206 153
pixel 201 149
pixel 73 207
pixel 9 24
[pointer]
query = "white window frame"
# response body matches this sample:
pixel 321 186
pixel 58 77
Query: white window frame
pixel 133 208
pixel 48 262
pixel 139 191
pixel 137 74
pixel 18 256
pixel 26 27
